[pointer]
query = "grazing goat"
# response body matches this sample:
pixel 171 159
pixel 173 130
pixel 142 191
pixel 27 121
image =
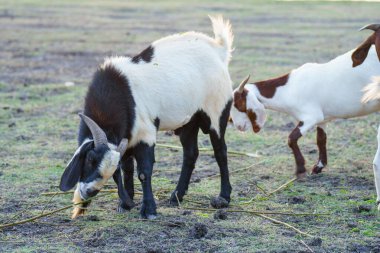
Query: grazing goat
pixel 372 93
pixel 313 94
pixel 181 83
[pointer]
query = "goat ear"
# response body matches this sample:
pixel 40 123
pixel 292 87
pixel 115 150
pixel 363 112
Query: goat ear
pixel 377 44
pixel 73 170
pixel 360 54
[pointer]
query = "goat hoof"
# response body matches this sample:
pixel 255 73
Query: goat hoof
pixel 219 202
pixel 174 200
pixel 317 168
pixel 301 175
pixel 121 210
pixel 151 217
pixel 123 207
pixel 148 209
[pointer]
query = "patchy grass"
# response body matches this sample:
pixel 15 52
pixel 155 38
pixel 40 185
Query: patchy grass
pixel 47 43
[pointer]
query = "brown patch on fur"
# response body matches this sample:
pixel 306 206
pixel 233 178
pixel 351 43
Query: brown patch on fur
pixel 321 142
pixel 360 54
pixel 292 142
pixel 252 117
pixel 240 103
pixel 240 100
pixel 268 88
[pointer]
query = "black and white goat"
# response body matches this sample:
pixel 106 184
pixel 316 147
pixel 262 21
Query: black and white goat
pixel 313 94
pixel 180 82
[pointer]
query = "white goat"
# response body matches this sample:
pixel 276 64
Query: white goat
pixel 180 83
pixel 372 93
pixel 313 94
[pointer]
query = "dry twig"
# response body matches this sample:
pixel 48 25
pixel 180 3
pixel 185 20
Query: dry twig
pixel 256 211
pixel 285 224
pixel 261 214
pixel 231 152
pixel 307 246
pixel 239 170
pixel 282 186
pixel 42 215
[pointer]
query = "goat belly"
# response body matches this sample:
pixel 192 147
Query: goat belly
pixel 168 122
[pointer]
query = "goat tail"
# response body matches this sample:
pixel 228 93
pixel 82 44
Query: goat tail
pixel 223 35
pixel 372 90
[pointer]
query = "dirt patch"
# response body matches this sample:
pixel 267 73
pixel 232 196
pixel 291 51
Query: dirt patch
pixel 61 49
pixel 198 231
pixel 220 215
pixel 297 200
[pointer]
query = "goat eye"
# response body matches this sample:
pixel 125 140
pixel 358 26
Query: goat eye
pixel 90 156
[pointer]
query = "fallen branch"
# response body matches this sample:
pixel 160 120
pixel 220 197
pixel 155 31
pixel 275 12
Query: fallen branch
pixel 231 152
pixel 239 170
pixel 307 246
pixel 261 214
pixel 42 215
pixel 282 186
pixel 36 217
pixel 260 188
pixel 69 192
pixel 256 211
pixel 285 224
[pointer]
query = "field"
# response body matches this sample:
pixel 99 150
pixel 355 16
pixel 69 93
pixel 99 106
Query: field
pixel 46 44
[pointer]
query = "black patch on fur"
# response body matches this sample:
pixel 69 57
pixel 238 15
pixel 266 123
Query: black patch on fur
pixel 74 169
pixel 204 121
pixel 146 55
pixel 201 118
pixel 188 136
pixel 144 155
pixel 92 162
pixel 110 103
pixel 157 123
pixel 223 120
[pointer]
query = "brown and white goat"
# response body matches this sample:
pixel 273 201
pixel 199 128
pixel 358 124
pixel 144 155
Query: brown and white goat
pixel 313 94
pixel 372 93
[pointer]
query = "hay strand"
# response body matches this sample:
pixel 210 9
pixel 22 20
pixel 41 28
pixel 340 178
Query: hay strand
pixel 231 152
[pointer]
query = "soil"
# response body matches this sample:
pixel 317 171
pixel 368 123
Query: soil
pixel 48 44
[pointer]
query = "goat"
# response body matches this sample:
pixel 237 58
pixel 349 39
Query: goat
pixel 313 94
pixel 372 93
pixel 181 83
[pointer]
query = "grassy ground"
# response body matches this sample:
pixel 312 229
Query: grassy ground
pixel 45 44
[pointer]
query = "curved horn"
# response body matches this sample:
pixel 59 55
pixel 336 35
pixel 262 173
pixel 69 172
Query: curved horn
pixel 97 133
pixel 243 83
pixel 122 147
pixel 373 27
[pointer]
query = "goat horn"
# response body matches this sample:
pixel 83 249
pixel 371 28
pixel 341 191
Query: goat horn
pixel 243 83
pixel 122 147
pixel 373 27
pixel 97 133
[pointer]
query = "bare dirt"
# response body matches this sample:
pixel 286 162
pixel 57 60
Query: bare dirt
pixel 44 45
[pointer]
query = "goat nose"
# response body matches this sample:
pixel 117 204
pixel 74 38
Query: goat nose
pixel 91 193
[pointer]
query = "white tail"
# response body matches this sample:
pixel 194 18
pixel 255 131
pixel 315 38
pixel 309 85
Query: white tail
pixel 223 35
pixel 372 90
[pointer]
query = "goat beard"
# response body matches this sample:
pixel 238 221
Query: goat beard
pixel 79 209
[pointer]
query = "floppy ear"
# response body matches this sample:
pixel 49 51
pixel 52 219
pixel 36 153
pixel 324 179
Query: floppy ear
pixel 377 44
pixel 73 170
pixel 360 54
pixel 255 105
